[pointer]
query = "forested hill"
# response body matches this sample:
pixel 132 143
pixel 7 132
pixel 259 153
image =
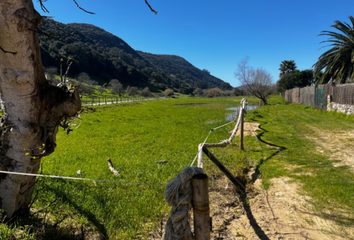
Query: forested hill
pixel 105 56
pixel 180 69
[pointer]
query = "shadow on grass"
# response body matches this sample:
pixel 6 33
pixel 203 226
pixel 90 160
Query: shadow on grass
pixel 38 227
pixel 90 216
pixel 279 149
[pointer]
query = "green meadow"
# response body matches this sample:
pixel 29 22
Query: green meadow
pixel 150 142
pixel 136 137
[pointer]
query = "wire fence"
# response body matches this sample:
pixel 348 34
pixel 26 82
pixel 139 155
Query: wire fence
pixel 105 100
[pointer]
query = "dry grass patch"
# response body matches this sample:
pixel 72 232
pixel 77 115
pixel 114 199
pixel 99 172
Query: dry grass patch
pixel 337 145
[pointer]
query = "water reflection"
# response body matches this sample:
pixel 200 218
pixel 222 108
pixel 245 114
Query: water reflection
pixel 231 116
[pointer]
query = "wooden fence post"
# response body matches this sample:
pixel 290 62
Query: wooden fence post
pixel 201 211
pixel 241 128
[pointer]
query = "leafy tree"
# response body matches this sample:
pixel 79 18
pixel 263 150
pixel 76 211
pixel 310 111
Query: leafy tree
pixel 206 71
pixel 287 66
pixel 131 91
pixel 239 92
pixel 198 92
pixel 101 90
pixel 258 81
pixel 145 92
pixel 168 92
pixel 338 61
pixel 117 87
pixel 86 89
pixel 296 79
pixel 214 92
pixel 85 78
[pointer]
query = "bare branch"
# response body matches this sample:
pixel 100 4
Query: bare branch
pixel 152 10
pixel 258 81
pixel 77 5
pixel 44 9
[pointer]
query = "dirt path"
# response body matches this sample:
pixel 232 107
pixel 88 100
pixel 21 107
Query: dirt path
pixel 279 213
pixel 282 212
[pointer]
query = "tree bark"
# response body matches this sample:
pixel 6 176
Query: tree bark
pixel 32 109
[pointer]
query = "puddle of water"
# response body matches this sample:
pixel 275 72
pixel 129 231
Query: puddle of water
pixel 213 121
pixel 231 116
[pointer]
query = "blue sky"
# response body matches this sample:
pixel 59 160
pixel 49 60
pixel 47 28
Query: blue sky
pixel 215 35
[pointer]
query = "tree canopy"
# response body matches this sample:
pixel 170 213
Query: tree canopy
pixel 296 79
pixel 287 66
pixel 338 61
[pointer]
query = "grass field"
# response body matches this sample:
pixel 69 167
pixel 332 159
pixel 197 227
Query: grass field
pixel 136 136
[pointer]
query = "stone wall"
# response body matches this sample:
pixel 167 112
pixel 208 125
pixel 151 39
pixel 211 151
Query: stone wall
pixel 343 108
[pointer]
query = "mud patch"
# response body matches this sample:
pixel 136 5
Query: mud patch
pixel 249 129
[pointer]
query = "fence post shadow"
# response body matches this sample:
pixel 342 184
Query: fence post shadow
pixel 243 195
pixel 280 149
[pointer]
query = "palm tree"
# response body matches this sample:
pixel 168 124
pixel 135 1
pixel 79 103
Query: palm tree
pixel 287 66
pixel 337 62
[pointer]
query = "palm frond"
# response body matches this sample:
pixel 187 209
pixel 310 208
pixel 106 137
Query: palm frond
pixel 338 61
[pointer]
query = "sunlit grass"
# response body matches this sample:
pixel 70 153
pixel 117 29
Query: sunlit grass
pixel 136 136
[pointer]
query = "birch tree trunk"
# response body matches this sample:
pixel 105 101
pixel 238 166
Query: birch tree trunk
pixel 32 109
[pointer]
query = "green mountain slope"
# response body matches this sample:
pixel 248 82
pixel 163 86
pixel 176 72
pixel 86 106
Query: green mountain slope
pixel 105 56
pixel 182 71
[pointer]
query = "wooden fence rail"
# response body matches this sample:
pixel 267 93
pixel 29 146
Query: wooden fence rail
pixel 319 96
